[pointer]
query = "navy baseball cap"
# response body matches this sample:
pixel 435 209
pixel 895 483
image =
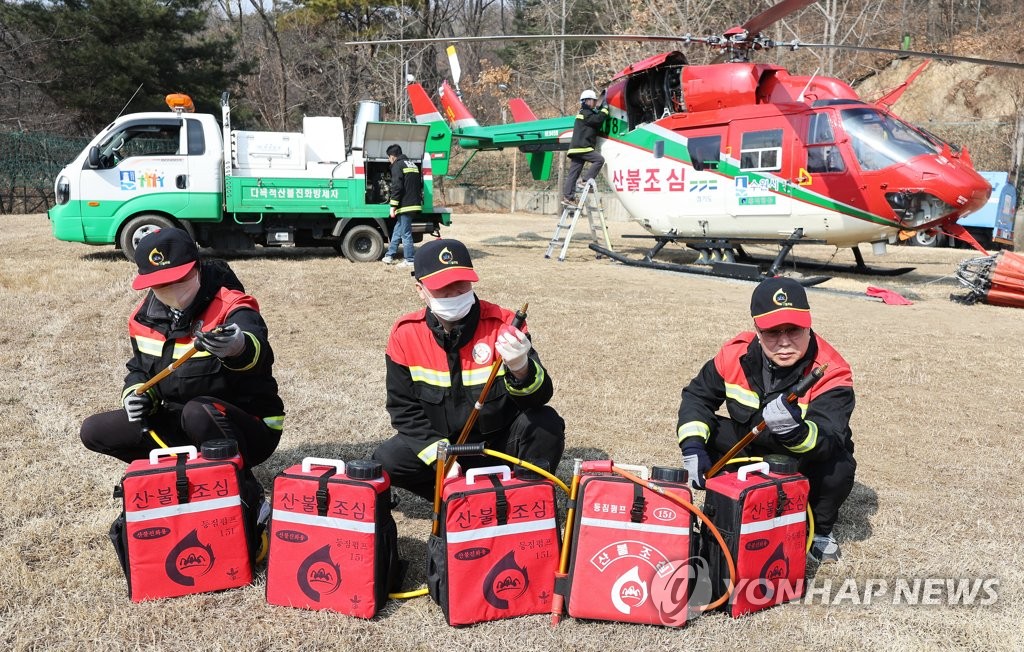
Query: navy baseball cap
pixel 443 262
pixel 779 300
pixel 164 256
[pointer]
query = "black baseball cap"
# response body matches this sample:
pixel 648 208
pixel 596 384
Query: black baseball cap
pixel 443 262
pixel 779 300
pixel 164 256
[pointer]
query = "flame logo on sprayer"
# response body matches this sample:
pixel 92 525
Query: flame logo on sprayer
pixel 506 581
pixel 629 591
pixel 775 570
pixel 189 559
pixel 318 575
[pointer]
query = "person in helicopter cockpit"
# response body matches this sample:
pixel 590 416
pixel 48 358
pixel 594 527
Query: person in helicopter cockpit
pixel 752 374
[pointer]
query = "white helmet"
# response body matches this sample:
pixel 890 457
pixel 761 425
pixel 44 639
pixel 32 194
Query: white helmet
pixel 588 95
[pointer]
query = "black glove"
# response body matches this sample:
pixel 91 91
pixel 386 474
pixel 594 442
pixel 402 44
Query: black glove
pixel 784 421
pixel 696 461
pixel 137 406
pixel 227 341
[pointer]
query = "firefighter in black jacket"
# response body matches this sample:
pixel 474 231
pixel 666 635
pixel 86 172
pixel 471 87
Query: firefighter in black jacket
pixel 225 390
pixel 439 358
pixel 752 374
pixel 406 204
pixel 582 146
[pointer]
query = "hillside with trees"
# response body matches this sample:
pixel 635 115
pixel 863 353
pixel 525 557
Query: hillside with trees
pixel 67 67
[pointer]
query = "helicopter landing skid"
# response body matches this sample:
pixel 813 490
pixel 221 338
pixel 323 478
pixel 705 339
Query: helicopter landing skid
pixel 724 269
pixel 858 268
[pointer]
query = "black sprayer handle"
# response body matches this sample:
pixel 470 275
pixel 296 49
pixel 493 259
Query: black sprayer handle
pixel 808 381
pixel 520 318
pixel 475 448
pixel 801 388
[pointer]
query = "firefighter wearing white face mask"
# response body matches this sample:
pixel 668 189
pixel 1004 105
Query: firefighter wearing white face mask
pixel 439 358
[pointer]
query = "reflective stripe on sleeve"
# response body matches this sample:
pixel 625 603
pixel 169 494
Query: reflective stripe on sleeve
pixel 274 423
pixel 429 454
pixel 255 355
pixel 693 429
pixel 538 380
pixel 809 441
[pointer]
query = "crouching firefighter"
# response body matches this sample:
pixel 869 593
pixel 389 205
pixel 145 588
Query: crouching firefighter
pixel 225 390
pixel 438 360
pixel 752 374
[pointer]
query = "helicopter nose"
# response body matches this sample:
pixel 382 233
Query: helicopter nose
pixel 954 182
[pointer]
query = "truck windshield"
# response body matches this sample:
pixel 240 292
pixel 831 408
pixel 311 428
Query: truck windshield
pixel 879 140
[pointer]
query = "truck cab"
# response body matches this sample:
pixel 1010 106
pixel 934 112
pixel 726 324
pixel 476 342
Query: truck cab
pixel 234 189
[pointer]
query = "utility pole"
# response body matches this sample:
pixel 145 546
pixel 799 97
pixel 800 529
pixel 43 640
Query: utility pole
pixel 561 101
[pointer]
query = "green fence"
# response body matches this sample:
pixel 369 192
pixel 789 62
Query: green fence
pixel 29 163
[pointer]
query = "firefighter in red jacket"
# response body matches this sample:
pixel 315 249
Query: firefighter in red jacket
pixel 752 374
pixel 225 390
pixel 439 358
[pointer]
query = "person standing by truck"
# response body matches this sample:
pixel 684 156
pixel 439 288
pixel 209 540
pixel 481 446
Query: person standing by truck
pixel 226 390
pixel 406 204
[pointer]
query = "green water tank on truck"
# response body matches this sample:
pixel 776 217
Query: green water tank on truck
pixel 234 189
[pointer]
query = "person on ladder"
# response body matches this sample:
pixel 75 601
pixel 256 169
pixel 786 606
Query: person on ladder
pixel 582 146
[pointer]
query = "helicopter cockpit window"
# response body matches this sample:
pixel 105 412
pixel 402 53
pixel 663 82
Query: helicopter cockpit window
pixel 822 153
pixel 880 140
pixel 705 152
pixel 761 150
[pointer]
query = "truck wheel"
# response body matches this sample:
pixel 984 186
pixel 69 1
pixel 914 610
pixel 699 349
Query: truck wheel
pixel 923 239
pixel 138 228
pixel 363 244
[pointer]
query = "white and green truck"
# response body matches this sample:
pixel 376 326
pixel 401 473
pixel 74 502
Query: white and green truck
pixel 235 189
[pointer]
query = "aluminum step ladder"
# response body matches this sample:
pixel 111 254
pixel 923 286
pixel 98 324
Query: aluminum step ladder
pixel 589 203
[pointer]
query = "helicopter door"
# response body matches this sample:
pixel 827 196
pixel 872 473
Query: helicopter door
pixel 823 155
pixel 757 184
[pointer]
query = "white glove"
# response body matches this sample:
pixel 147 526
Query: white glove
pixel 228 343
pixel 514 347
pixel 781 416
pixel 137 406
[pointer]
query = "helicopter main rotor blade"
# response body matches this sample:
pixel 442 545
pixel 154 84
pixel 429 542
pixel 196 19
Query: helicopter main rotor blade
pixel 528 37
pixel 909 53
pixel 774 14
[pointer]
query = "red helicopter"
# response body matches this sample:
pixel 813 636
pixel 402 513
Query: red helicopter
pixel 719 155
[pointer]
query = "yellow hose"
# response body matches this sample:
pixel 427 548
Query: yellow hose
pixel 159 442
pixel 405 595
pixel 527 465
pixel 810 528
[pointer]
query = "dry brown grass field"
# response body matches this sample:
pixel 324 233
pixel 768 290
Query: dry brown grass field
pixel 937 429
